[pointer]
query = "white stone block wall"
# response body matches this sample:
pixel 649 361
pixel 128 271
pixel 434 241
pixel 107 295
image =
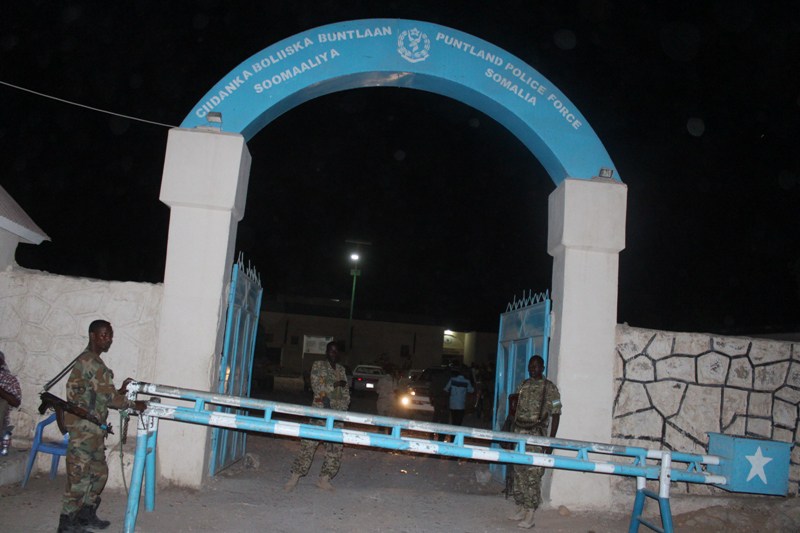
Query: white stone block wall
pixel 44 320
pixel 672 388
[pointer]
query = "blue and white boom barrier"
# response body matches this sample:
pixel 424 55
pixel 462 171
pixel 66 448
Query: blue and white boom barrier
pixel 727 467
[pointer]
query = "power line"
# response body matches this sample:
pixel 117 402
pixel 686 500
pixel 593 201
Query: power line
pixel 84 106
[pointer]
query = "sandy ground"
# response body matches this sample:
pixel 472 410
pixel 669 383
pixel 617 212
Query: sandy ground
pixel 375 490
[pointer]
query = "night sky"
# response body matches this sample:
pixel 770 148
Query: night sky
pixel 697 104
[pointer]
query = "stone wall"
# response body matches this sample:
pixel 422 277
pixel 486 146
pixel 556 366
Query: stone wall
pixel 43 326
pixel 672 388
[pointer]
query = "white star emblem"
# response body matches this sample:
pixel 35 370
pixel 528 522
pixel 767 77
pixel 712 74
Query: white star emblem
pixel 757 463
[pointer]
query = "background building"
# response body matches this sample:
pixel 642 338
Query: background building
pixel 293 333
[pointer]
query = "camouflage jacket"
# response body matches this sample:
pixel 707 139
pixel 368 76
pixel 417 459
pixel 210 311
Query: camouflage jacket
pixel 535 405
pixel 91 386
pixel 323 377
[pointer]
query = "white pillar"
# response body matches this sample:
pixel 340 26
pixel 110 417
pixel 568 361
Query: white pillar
pixel 205 185
pixel 8 248
pixel 585 235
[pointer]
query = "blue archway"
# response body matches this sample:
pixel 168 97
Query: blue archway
pixel 416 55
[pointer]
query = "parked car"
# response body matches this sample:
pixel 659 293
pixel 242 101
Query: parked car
pixel 365 377
pixel 415 399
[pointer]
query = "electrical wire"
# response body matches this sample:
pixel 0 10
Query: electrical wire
pixel 84 106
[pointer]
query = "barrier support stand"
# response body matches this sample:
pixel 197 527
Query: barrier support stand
pixel 662 497
pixel 137 474
pixel 150 465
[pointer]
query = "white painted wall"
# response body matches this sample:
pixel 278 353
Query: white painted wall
pixel 44 320
pixel 8 247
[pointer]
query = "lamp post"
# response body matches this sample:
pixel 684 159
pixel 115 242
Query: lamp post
pixel 355 273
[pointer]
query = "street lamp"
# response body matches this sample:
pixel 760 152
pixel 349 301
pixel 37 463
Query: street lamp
pixel 354 272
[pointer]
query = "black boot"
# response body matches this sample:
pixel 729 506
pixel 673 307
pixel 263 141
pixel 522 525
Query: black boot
pixel 68 523
pixel 87 516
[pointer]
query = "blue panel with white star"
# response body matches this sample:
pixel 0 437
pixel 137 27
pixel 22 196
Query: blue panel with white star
pixel 756 466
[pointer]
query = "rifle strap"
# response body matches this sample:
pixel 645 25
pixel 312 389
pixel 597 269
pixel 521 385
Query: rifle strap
pixel 49 385
pixel 544 393
pixel 124 418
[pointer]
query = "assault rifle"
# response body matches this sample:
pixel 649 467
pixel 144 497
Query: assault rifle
pixel 508 426
pixel 63 406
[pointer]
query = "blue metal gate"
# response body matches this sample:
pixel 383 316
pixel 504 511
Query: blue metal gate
pixel 236 365
pixel 524 332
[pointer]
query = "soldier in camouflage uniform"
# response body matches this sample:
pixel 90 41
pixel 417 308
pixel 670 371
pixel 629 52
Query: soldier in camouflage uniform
pixel 538 406
pixel 90 386
pixel 329 384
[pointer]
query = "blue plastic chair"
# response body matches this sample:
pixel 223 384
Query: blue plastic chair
pixel 57 449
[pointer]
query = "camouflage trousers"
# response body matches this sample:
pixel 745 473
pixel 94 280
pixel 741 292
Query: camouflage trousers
pixel 308 447
pixel 87 471
pixel 527 487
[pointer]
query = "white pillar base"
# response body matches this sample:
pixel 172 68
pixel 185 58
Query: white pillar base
pixel 586 234
pixel 205 184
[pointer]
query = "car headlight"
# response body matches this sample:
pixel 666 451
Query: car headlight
pixel 405 400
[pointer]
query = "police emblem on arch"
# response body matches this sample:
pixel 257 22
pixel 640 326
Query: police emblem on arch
pixel 413 45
